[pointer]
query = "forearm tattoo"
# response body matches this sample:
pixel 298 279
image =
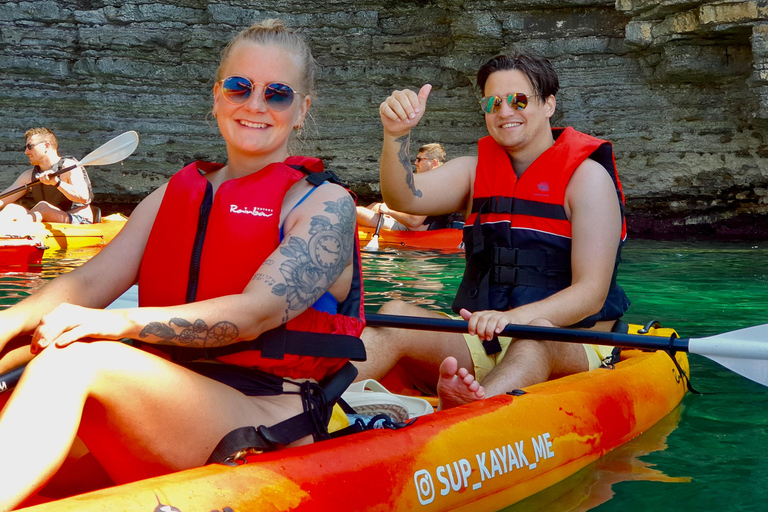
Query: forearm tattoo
pixel 187 334
pixel 405 160
pixel 312 267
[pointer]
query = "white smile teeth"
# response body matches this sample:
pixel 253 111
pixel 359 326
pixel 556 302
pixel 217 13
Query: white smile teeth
pixel 510 125
pixel 253 125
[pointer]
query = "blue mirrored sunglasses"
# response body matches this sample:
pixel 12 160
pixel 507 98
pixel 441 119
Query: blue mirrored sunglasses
pixel 237 90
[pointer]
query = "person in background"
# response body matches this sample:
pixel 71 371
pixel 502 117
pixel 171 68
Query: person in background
pixel 65 197
pixel 255 302
pixel 545 226
pixel 430 156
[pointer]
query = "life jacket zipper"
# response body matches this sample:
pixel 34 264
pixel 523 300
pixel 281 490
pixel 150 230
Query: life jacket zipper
pixel 197 247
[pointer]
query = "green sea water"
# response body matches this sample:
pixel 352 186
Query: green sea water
pixel 705 456
pixel 708 454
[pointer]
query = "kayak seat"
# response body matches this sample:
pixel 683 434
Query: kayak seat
pixel 96 214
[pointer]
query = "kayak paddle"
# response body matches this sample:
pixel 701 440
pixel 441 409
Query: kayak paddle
pixel 744 351
pixel 373 245
pixel 114 151
pixel 9 379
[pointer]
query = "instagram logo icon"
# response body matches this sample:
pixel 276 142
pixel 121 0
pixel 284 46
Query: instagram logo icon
pixel 425 488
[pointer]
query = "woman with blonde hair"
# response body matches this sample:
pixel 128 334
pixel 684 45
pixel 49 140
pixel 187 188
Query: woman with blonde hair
pixel 247 272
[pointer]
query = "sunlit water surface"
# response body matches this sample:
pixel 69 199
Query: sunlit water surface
pixel 708 455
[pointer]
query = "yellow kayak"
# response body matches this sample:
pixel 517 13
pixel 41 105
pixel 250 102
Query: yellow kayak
pixel 57 236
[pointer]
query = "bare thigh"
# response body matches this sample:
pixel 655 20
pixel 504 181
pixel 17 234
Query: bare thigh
pixel 145 416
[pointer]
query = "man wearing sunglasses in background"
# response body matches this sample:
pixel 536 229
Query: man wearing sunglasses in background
pixel 545 225
pixel 59 198
pixel 430 156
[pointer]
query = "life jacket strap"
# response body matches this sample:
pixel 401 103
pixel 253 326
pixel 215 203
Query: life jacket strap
pixel 518 206
pixel 318 404
pixel 318 178
pixel 275 343
pixel 530 268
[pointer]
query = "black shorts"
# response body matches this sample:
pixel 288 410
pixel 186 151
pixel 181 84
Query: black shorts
pixel 248 381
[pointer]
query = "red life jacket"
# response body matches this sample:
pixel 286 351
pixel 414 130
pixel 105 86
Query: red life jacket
pixel 203 246
pixel 518 237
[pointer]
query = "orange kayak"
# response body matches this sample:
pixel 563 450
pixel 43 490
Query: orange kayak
pixel 483 456
pixel 447 239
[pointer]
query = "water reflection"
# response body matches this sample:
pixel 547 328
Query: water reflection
pixel 426 278
pixel 594 485
pixel 15 286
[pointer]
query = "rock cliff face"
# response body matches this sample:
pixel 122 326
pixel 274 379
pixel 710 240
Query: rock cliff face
pixel 679 86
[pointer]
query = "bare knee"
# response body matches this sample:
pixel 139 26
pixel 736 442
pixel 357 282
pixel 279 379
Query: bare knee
pixel 561 358
pixel 78 361
pixel 44 211
pixel 397 307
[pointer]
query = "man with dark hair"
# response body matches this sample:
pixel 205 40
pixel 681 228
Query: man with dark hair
pixel 544 230
pixel 430 156
pixel 60 198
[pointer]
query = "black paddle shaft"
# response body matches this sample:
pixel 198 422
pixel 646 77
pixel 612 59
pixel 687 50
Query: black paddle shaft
pixel 31 184
pixel 533 332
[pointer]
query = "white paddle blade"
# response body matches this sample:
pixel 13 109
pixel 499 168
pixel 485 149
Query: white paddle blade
pixel 749 343
pixel 373 245
pixel 116 150
pixel 754 369
pixel 744 351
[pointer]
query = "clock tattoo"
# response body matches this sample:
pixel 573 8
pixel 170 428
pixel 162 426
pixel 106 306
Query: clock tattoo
pixel 312 266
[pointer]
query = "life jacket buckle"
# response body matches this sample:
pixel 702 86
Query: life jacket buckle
pixel 239 457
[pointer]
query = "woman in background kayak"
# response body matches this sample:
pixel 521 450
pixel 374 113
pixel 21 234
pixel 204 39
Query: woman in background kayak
pixel 222 254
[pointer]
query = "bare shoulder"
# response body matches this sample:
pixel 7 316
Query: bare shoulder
pixel 591 191
pixel 327 202
pixel 25 177
pixel 68 162
pixel 590 178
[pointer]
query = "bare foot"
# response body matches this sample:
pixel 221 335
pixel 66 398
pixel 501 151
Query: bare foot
pixel 457 386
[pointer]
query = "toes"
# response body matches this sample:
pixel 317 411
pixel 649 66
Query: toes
pixel 449 367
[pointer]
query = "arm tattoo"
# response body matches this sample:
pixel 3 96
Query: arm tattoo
pixel 312 267
pixel 405 160
pixel 196 334
pixel 263 277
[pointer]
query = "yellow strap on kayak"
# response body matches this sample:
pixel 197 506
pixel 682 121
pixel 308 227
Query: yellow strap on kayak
pixel 338 421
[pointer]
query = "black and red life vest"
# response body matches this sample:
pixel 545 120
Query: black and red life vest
pixel 518 237
pixel 203 246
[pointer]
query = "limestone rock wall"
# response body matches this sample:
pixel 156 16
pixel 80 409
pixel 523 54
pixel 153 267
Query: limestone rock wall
pixel 679 86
